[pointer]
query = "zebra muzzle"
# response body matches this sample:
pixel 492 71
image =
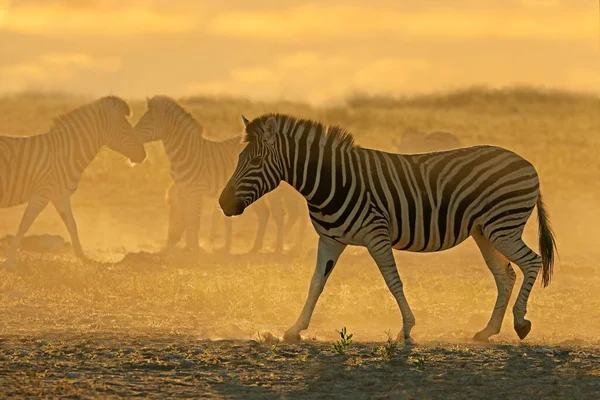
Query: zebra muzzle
pixel 229 204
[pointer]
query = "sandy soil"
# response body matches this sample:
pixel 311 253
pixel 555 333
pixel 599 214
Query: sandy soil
pixel 137 322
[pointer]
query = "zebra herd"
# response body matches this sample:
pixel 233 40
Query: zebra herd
pixel 423 202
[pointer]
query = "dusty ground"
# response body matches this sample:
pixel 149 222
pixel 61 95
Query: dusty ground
pixel 142 323
pixel 179 366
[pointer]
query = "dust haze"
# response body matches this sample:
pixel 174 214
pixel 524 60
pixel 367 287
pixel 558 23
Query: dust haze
pixel 484 87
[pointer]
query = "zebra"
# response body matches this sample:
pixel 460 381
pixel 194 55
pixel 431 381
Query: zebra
pixel 414 141
pixel 383 201
pixel 47 167
pixel 200 168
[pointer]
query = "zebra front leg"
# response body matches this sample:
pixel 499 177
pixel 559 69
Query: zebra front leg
pixel 193 214
pixel 328 254
pixel 228 235
pixel 504 275
pixel 34 208
pixel 63 207
pixel 213 227
pixel 380 248
pixel 176 217
pixel 530 263
pixel 278 213
pixel 261 208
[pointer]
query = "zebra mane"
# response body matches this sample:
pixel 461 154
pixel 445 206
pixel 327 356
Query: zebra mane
pixel 255 128
pixel 172 107
pixel 64 120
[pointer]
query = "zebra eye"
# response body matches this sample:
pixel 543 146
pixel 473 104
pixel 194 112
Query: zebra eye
pixel 255 162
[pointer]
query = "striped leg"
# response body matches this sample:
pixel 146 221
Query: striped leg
pixel 504 275
pixel 176 217
pixel 34 208
pixel 261 209
pixel 530 263
pixel 278 213
pixel 328 254
pixel 213 227
pixel 380 249
pixel 63 207
pixel 193 214
pixel 228 235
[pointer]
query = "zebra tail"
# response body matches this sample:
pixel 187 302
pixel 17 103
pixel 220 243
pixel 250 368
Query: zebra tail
pixel 547 242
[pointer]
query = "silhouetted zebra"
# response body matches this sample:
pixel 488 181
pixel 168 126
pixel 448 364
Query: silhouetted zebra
pixel 414 141
pixel 47 167
pixel 199 168
pixel 383 201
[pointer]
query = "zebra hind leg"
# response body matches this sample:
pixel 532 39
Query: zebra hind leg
pixel 530 263
pixel 34 208
pixel 64 209
pixel 504 275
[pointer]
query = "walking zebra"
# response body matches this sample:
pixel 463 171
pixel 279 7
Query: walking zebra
pixel 199 168
pixel 47 167
pixel 383 201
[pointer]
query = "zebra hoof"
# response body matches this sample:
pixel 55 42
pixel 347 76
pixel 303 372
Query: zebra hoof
pixel 408 341
pixel 524 329
pixel 292 337
pixel 481 337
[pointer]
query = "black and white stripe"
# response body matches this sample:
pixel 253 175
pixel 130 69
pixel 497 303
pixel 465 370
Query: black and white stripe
pixel 199 168
pixel 47 167
pixel 383 201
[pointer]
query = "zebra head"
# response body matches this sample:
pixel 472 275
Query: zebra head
pixel 154 124
pixel 259 169
pixel 118 132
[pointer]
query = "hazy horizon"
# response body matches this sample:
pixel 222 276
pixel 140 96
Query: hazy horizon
pixel 282 50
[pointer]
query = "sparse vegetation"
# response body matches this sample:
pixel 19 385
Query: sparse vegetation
pixel 118 318
pixel 341 345
pixel 388 350
pixel 418 362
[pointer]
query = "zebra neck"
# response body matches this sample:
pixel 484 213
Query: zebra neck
pixel 181 147
pixel 323 175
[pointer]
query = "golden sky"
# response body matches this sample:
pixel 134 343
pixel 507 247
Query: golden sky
pixel 311 51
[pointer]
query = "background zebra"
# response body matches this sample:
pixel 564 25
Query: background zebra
pixel 47 167
pixel 200 168
pixel 414 141
pixel 383 201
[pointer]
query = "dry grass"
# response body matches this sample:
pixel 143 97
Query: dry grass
pixel 59 309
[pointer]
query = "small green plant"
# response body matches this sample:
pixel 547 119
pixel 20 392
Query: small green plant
pixel 346 339
pixel 389 349
pixel 419 363
pixel 267 340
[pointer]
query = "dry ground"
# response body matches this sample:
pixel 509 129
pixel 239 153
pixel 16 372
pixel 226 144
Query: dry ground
pixel 141 323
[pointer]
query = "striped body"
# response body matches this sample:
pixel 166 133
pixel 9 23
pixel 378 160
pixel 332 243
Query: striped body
pixel 427 202
pixel 200 168
pixel 48 167
pixel 383 201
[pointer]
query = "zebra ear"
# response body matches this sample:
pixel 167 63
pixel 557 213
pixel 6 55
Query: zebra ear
pixel 245 121
pixel 270 130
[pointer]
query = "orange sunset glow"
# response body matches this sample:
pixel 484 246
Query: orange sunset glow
pixel 334 199
pixel 313 52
